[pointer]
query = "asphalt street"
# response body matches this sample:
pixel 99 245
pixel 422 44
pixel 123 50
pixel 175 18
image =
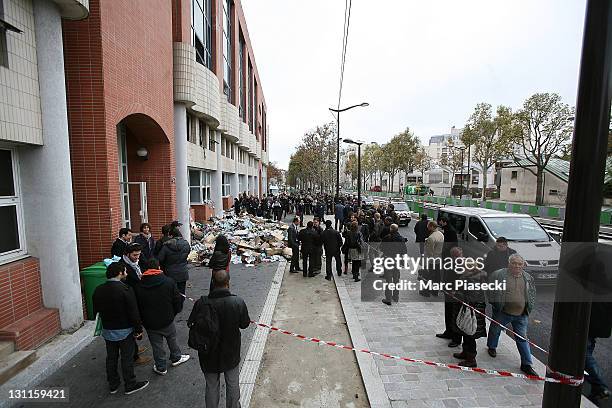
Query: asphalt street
pixel 183 386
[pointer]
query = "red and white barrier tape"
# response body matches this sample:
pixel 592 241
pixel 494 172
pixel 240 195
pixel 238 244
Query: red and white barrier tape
pixel 552 377
pixel 568 380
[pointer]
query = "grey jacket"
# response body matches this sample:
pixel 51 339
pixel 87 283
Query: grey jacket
pixel 173 259
pixel 497 298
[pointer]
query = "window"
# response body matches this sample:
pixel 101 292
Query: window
pixel 211 140
pixel 189 132
pixel 199 186
pixel 456 220
pixel 516 229
pixel 514 175
pixel 553 192
pixel 435 178
pixel 476 228
pixel 251 99
pixel 201 133
pixel 202 31
pixel 223 146
pixel 513 190
pixel 227 50
pixel 241 101
pixel 12 242
pixel 226 188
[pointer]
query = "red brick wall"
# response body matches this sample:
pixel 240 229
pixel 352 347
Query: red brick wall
pixel 118 63
pixel 181 20
pixel 20 290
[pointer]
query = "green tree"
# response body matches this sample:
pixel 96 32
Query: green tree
pixel 544 127
pixel 422 162
pixel 490 136
pixel 407 146
pixel 452 160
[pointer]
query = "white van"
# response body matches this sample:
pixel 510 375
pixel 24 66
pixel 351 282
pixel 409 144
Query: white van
pixel 478 229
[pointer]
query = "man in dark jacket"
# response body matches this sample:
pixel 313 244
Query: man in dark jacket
pixel 386 229
pixel 450 237
pixel 173 259
pixel 147 242
pixel 159 301
pixel 421 232
pixel 339 214
pixel 307 237
pixel 131 261
pixel 125 237
pixel 332 242
pixel 160 242
pixel 233 315
pixel 600 326
pixel 392 245
pixel 497 258
pixel 294 244
pixel 317 262
pixel 116 304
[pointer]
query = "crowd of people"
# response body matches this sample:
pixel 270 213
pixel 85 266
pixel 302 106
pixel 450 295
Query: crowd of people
pixel 145 290
pixel 146 287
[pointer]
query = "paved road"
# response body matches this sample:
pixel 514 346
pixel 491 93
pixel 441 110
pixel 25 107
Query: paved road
pixel 541 323
pixel 183 386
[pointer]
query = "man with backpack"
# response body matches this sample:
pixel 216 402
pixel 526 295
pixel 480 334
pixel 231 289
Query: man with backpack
pixel 215 324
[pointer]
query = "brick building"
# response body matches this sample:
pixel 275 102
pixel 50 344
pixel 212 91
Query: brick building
pixel 112 113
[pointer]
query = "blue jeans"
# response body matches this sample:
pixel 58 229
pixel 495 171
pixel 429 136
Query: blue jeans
pixel 519 325
pixel 592 368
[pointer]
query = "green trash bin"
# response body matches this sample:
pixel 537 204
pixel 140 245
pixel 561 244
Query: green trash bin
pixel 92 276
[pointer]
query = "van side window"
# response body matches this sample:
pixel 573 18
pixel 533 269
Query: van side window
pixel 475 227
pixel 457 221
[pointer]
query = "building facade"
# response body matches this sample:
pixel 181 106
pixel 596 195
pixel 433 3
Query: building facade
pixel 114 113
pixel 519 184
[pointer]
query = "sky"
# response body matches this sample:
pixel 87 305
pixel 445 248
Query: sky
pixel 419 64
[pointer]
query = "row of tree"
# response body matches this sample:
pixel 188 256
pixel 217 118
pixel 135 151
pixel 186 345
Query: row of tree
pixel 540 130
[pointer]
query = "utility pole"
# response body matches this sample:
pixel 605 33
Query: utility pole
pixel 571 319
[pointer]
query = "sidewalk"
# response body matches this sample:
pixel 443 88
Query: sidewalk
pixel 408 329
pixel 297 373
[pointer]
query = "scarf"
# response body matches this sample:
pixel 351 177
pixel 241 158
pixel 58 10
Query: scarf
pixel 134 265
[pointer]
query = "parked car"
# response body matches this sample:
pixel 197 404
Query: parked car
pixel 377 189
pixel 478 228
pixel 403 212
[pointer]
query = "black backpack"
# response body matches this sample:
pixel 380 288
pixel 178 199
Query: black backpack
pixel 203 323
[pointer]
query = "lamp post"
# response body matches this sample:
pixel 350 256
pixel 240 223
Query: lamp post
pixel 338 111
pixel 350 141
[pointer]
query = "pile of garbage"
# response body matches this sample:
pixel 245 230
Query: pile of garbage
pixel 253 240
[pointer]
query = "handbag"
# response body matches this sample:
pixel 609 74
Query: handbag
pixel 466 321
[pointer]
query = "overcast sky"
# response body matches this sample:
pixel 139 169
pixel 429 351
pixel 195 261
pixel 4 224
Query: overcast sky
pixel 419 64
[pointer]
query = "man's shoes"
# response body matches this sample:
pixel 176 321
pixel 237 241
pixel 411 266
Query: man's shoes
pixel 160 372
pixel 298 269
pixel 311 275
pixel 340 274
pixel 454 343
pixel 142 349
pixel 527 369
pixel 386 302
pixel 357 280
pixel 140 385
pixel 184 357
pixel 460 356
pixel 328 278
pixel 113 390
pixel 142 360
pixel 305 274
pixel 492 352
pixel 468 363
pixel 293 271
pixel 444 336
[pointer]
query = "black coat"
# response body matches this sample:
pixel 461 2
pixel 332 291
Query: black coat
pixel 307 237
pixel 420 230
pixel 158 300
pixel 292 236
pixel 148 248
pixel 393 244
pixel 173 259
pixel 159 244
pixel 497 259
pixel 116 303
pixel 132 277
pixel 600 324
pixel 233 316
pixel 118 248
pixel 450 240
pixel 332 241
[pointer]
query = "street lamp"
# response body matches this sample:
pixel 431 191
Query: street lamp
pixel 350 141
pixel 338 111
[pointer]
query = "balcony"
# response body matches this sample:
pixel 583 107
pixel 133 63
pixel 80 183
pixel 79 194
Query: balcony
pixel 230 121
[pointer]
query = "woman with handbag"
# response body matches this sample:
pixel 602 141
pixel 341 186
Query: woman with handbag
pixel 355 245
pixel 470 324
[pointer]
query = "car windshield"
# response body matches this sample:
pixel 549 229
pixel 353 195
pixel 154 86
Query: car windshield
pixel 516 229
pixel 400 206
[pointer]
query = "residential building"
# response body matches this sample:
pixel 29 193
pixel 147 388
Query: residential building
pixel 519 184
